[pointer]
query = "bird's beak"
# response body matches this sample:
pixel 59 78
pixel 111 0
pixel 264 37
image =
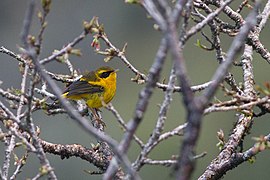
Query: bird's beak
pixel 116 70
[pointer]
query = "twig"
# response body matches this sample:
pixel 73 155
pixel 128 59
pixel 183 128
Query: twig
pixel 216 168
pixel 263 17
pixel 175 131
pixel 194 88
pixel 68 78
pixel 216 43
pixel 153 11
pixel 209 18
pixel 255 149
pixel 27 23
pixel 65 49
pixel 236 159
pixel 43 24
pixel 124 59
pixel 235 47
pixel 111 108
pixel 240 107
pixel 14 127
pixel 31 52
pixel 20 163
pixel 43 172
pixel 45 93
pixel 10 144
pixel 160 123
pixel 12 54
pixel 11 96
pixel 166 163
pixel 141 106
pixel 93 156
pixel 121 55
pixel 23 86
pixel 253 38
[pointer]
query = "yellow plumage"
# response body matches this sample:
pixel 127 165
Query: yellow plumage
pixel 95 87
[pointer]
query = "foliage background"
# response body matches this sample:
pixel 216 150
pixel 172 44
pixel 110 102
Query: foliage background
pixel 125 23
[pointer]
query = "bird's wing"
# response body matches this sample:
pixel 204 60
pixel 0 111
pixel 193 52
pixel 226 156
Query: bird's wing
pixel 82 87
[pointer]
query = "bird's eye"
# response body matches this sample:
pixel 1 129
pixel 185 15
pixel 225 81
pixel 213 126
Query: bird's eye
pixel 105 74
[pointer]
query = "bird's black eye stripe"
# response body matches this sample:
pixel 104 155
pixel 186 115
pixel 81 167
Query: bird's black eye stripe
pixel 105 74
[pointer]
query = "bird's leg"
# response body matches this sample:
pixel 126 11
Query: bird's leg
pixel 96 117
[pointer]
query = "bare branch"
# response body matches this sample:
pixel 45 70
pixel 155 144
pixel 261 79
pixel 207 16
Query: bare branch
pixel 249 105
pixel 10 144
pixel 141 106
pixel 27 23
pixel 264 17
pixel 235 47
pixel 94 156
pixel 65 49
pixel 159 125
pixel 215 169
pixel 235 159
pixel 111 108
pixel 166 163
pixel 194 88
pixel 12 54
pixel 209 18
pixel 30 52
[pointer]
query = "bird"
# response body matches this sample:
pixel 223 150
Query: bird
pixel 97 88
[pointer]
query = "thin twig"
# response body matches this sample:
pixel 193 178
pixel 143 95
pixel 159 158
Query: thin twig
pixel 141 106
pixel 8 115
pixel 209 18
pixel 216 168
pixel 166 163
pixel 23 86
pixel 111 108
pixel 31 53
pixel 12 54
pixel 10 144
pixel 27 23
pixel 235 47
pixel 160 123
pixel 65 49
pixel 240 107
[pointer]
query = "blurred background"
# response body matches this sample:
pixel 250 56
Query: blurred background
pixel 125 24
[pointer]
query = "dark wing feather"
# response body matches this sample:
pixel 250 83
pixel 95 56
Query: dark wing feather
pixel 82 87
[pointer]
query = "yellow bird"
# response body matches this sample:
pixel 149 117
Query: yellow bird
pixel 96 88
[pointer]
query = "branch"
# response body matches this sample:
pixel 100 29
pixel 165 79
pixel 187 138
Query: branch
pixel 30 52
pixel 160 123
pixel 65 49
pixel 253 39
pixel 166 163
pixel 27 23
pixel 235 159
pixel 215 169
pixel 249 105
pixel 193 30
pixel 194 88
pixel 141 106
pixel 111 108
pixel 235 47
pixel 93 156
pixel 10 145
pixel 12 54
